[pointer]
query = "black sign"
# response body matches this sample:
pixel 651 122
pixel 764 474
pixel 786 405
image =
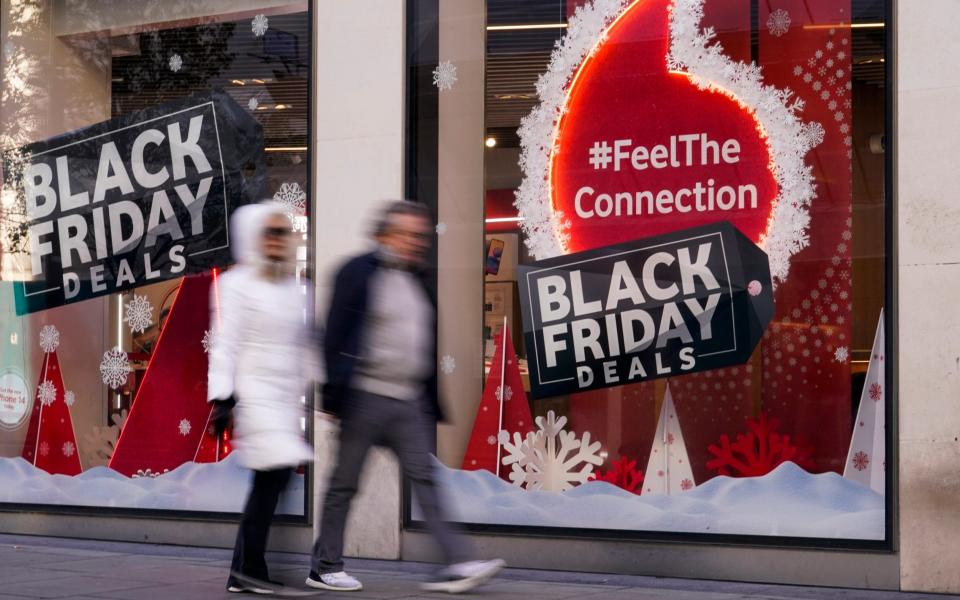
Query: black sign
pixel 134 200
pixel 679 303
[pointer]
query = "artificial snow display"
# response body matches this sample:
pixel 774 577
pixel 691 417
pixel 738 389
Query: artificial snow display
pixel 259 25
pixel 668 468
pixel 448 364
pixel 445 75
pixel 217 486
pixel 46 393
pixel 550 458
pixel 175 63
pixel 292 198
pixel 49 338
pixel 788 501
pixel 757 452
pixel 138 313
pixel 778 23
pixel 114 368
pixel 866 458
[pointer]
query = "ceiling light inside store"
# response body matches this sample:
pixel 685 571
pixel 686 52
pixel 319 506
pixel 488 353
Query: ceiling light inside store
pixel 504 220
pixel 847 26
pixel 238 82
pixel 491 142
pixel 286 149
pixel 526 27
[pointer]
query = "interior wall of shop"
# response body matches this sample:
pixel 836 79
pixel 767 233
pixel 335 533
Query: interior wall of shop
pixel 928 217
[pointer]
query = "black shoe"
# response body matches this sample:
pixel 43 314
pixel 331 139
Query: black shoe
pixel 245 584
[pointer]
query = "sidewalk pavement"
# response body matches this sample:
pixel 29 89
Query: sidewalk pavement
pixel 41 567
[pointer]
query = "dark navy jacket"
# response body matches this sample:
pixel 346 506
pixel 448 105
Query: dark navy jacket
pixel 343 339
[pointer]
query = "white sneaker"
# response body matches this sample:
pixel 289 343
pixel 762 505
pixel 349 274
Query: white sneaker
pixel 463 577
pixel 337 582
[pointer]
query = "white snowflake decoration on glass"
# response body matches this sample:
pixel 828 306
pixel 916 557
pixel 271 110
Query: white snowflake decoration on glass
pixel 778 23
pixel 253 103
pixel 441 228
pixel 184 427
pixel 504 393
pixel 44 449
pixel 550 458
pixel 68 449
pixel 259 25
pixel 292 198
pixel 175 62
pixel 70 397
pixel 47 393
pixel 448 364
pixel 445 75
pixel 206 341
pixel 114 368
pixel 49 338
pixel 138 314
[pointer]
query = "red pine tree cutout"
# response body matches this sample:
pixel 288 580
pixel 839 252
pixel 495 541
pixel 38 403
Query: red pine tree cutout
pixel 758 452
pixel 623 473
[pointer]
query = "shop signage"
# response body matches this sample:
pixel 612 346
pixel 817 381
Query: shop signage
pixel 14 400
pixel 134 200
pixel 668 305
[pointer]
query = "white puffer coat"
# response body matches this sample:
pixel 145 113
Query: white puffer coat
pixel 261 351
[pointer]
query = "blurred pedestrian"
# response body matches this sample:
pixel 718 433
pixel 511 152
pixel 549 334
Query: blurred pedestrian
pixel 257 376
pixel 380 357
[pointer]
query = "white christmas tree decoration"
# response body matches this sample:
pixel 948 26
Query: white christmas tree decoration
pixel 175 63
pixel 69 397
pixel 47 393
pixel 259 25
pixel 114 368
pixel 668 468
pixel 253 103
pixel 866 458
pixel 184 427
pixel 68 449
pixel 538 462
pixel 206 341
pixel 49 338
pixel 448 364
pixel 841 354
pixel 778 23
pixel 138 313
pixel 445 75
pixel 441 228
pixel 292 198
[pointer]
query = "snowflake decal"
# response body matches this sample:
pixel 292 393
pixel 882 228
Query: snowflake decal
pixel 49 338
pixel 448 364
pixel 184 427
pixel 860 460
pixel 670 439
pixel 441 228
pixel 445 75
pixel 551 458
pixel 175 63
pixel 68 449
pixel 47 393
pixel 686 485
pixel 259 25
pixel 491 440
pixel 44 449
pixel 778 23
pixel 138 314
pixel 206 341
pixel 841 354
pixel 504 394
pixel 114 367
pixel 876 392
pixel 69 397
pixel 253 103
pixel 292 198
pixel 814 133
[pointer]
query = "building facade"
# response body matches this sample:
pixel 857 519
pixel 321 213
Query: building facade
pixel 684 260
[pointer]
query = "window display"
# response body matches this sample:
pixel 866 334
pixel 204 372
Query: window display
pixel 695 188
pixel 129 135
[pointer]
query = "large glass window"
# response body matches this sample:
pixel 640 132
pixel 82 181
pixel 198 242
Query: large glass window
pixel 130 132
pixel 677 245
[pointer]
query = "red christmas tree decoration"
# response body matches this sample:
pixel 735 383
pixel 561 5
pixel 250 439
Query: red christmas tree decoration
pixel 758 452
pixel 482 450
pixel 623 474
pixel 51 443
pixel 169 419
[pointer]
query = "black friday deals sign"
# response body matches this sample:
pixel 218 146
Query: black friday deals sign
pixel 135 200
pixel 683 302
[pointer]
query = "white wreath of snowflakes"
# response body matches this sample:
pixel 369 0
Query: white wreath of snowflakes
pixel 694 51
pixel 114 368
pixel 445 75
pixel 259 25
pixel 47 393
pixel 538 463
pixel 49 338
pixel 138 314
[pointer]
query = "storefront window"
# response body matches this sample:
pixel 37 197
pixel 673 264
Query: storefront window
pixel 130 132
pixel 677 242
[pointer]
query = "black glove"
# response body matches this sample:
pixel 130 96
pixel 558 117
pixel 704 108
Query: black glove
pixel 222 414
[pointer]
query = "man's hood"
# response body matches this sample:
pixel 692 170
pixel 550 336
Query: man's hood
pixel 247 224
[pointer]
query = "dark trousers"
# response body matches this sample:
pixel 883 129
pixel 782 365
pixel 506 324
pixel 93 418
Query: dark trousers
pixel 403 427
pixel 255 522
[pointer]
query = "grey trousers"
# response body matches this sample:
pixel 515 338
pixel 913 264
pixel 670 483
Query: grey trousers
pixel 402 426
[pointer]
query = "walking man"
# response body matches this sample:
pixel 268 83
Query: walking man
pixel 379 349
